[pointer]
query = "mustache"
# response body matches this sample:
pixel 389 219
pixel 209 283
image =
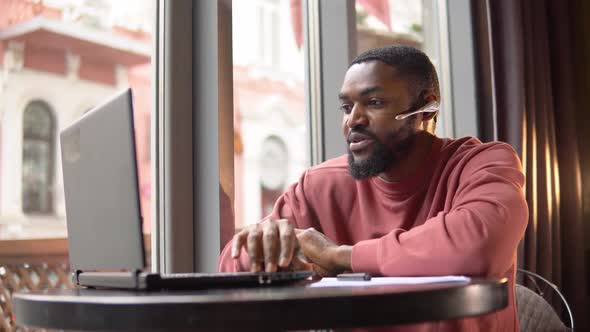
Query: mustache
pixel 361 131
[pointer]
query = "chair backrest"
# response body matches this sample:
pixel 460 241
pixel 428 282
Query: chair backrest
pixel 535 312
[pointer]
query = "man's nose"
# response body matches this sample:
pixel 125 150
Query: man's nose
pixel 357 117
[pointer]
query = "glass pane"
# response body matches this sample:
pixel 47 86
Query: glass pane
pixel 58 59
pixel 385 22
pixel 408 22
pixel 37 121
pixel 36 194
pixel 269 104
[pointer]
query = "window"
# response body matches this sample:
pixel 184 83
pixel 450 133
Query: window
pixel 274 157
pixel 59 58
pixel 420 24
pixel 267 12
pixel 269 104
pixel 38 158
pixel 386 22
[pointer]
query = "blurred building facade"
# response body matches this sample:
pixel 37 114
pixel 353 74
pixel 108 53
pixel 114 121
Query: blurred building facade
pixel 61 58
pixel 53 69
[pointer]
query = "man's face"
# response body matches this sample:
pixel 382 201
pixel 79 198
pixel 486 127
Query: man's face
pixel 371 96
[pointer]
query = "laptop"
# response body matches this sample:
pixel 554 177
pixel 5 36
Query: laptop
pixel 104 219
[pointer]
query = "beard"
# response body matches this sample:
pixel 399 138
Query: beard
pixel 385 154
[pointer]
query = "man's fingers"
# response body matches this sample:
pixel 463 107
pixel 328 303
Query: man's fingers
pixel 319 270
pixel 305 241
pixel 238 242
pixel 254 248
pixel 288 241
pixel 270 243
pixel 300 263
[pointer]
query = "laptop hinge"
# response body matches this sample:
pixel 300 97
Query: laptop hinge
pixel 76 277
pixel 136 275
pixel 126 280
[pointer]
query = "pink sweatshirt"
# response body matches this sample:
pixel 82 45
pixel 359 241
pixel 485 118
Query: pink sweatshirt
pixel 462 213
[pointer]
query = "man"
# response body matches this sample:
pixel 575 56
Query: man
pixel 403 202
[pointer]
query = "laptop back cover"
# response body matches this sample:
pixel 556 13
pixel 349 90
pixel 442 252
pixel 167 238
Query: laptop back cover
pixel 100 183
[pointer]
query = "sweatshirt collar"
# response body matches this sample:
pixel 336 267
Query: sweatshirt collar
pixel 416 180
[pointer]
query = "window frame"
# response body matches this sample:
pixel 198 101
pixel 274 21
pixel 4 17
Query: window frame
pixel 193 172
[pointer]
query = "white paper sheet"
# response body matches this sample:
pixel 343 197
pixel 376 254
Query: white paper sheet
pixel 379 281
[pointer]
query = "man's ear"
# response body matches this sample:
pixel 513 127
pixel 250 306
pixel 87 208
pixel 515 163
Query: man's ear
pixel 429 96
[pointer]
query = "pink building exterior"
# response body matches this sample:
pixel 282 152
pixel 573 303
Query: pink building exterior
pixel 46 50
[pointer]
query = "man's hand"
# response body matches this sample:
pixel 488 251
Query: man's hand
pixel 328 258
pixel 270 244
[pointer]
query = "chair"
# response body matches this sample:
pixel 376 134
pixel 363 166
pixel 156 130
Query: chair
pixel 534 312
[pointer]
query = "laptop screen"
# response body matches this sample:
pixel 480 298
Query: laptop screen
pixel 101 189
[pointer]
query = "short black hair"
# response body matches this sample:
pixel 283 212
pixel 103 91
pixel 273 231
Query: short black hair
pixel 410 63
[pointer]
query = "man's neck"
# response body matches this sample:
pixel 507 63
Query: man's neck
pixel 412 161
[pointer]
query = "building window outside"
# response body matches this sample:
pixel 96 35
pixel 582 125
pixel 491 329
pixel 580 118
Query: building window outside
pixel 38 158
pixel 268 31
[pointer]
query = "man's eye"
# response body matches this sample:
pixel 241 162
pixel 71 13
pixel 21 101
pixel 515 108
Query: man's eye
pixel 376 102
pixel 346 108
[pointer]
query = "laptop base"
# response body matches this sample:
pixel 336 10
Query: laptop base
pixel 139 280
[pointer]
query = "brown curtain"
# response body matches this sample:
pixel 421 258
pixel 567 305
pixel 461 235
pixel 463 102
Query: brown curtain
pixel 531 71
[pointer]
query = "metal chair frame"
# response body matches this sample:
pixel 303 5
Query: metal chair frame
pixel 530 276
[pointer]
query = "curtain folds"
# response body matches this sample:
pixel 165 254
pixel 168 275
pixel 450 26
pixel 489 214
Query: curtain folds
pixel 529 69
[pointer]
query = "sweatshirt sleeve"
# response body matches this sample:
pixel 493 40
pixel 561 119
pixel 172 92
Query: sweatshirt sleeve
pixel 291 205
pixel 477 236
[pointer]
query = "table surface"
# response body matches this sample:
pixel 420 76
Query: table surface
pixel 293 307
